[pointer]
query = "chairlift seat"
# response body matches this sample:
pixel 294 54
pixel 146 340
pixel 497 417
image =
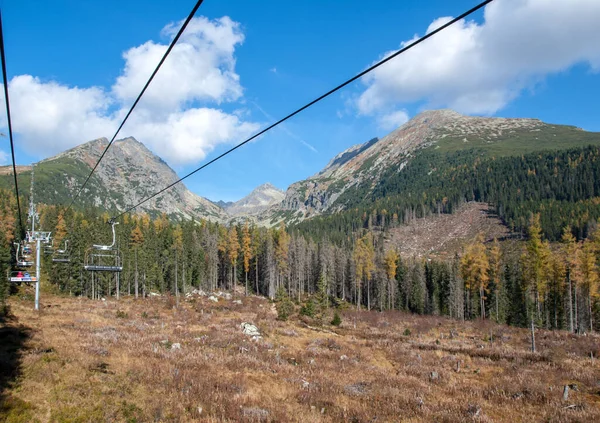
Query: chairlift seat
pixel 101 268
pixel 12 277
pixel 61 260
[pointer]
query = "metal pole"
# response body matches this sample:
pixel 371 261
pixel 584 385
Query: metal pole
pixel 37 275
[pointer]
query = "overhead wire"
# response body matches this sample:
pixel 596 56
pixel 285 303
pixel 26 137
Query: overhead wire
pixel 173 42
pixel 10 132
pixel 306 106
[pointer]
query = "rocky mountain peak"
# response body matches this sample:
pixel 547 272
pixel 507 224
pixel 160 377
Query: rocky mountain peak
pixel 259 200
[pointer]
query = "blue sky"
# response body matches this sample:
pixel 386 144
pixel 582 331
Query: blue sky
pixel 74 67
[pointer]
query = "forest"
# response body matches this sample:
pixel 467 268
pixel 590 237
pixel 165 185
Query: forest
pixel 513 282
pixel 562 186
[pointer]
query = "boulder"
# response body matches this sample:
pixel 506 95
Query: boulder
pixel 250 330
pixel 213 298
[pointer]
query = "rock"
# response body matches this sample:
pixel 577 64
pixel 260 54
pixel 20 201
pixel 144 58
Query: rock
pixel 250 330
pixel 255 413
pixel 213 298
pixel 153 294
pixel 227 296
pixel 305 384
pixel 434 376
pixel 474 410
pixel 343 357
pixel 176 346
pixel 356 389
pixel 237 302
pixel 566 393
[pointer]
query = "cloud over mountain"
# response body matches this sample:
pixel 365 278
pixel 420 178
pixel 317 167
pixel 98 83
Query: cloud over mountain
pixel 479 68
pixel 179 116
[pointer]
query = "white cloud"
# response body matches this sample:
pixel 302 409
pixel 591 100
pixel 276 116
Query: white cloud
pixel 392 120
pixel 186 137
pixel 173 118
pixel 273 69
pixel 51 117
pixel 479 68
pixel 201 66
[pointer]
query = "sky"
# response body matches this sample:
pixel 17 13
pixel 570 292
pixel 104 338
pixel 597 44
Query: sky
pixel 75 67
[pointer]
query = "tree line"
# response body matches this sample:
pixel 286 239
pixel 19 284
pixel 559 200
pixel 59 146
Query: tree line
pixel 514 282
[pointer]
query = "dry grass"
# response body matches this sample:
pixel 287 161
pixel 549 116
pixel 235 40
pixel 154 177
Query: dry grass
pixel 90 361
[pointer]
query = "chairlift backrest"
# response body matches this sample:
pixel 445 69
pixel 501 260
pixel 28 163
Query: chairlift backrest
pixel 108 247
pixel 65 249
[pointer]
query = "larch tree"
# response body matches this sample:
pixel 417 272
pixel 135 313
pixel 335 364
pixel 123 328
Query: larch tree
pixel 590 276
pixel 282 254
pixel 494 254
pixel 475 268
pixel 572 255
pixel 233 251
pixel 247 252
pixel 391 267
pixel 136 239
pixel 536 263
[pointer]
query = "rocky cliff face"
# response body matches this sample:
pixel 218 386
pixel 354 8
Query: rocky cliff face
pixel 128 173
pixel 366 162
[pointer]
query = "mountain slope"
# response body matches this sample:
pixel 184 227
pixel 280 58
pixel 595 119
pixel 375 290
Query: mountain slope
pixel 365 166
pixel 128 173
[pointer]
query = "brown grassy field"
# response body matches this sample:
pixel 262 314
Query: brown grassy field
pixel 79 360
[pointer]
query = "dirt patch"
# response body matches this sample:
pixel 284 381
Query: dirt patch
pixel 445 234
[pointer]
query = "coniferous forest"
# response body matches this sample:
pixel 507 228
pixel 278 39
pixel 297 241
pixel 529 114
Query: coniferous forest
pixel 550 276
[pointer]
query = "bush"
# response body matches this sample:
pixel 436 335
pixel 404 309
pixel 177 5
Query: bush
pixel 121 315
pixel 406 332
pixel 308 309
pixel 337 320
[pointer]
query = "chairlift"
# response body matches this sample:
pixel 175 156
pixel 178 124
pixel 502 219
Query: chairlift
pixel 22 261
pixel 104 258
pixel 62 256
pixel 27 251
pixel 49 249
pixel 18 276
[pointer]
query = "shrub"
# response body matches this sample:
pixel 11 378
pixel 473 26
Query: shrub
pixel 308 309
pixel 285 306
pixel 406 332
pixel 121 315
pixel 337 320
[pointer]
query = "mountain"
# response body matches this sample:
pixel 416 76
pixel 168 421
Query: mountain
pixel 359 174
pixel 128 173
pixel 259 200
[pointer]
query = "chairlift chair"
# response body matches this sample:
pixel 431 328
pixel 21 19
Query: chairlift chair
pixel 17 276
pixel 21 261
pixel 104 258
pixel 49 249
pixel 62 256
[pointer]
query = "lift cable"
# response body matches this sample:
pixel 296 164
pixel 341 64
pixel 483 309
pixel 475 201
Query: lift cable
pixel 181 30
pixel 10 132
pixel 306 106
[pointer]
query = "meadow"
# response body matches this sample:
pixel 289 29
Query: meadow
pixel 153 360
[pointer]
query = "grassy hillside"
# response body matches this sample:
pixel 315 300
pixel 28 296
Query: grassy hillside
pixel 56 181
pixel 548 137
